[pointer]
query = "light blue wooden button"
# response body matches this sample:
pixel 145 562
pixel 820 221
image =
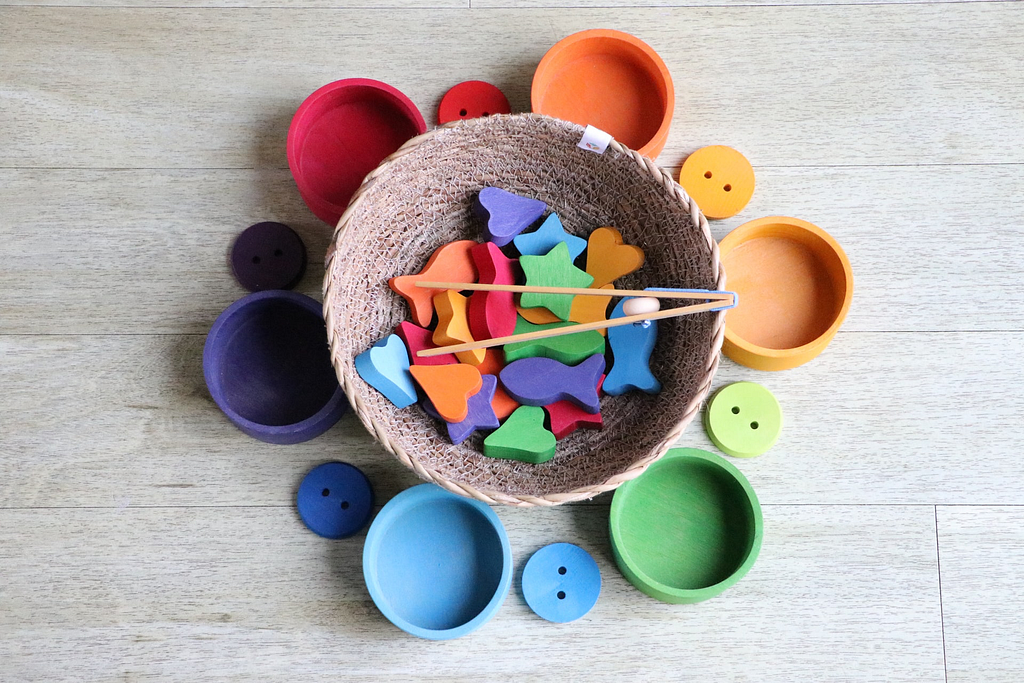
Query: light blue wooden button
pixel 561 582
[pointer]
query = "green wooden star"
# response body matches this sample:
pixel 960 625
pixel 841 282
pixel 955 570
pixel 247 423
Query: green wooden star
pixel 554 269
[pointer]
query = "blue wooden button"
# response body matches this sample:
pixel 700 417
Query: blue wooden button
pixel 335 500
pixel 561 582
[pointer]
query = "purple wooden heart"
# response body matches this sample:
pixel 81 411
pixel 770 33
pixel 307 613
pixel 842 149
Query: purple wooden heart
pixel 481 414
pixel 543 381
pixel 505 215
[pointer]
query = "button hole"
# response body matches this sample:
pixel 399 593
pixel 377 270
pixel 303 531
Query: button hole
pixel 325 493
pixel 753 425
pixel 255 259
pixel 561 595
pixel 735 410
pixel 344 505
pixel 463 112
pixel 727 188
pixel 708 174
pixel 561 570
pixel 278 252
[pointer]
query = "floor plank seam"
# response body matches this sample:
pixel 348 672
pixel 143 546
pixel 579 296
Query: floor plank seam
pixel 514 7
pixel 942 615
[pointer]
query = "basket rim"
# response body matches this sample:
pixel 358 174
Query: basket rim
pixel 635 469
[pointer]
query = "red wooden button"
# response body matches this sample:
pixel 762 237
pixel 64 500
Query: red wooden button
pixel 471 100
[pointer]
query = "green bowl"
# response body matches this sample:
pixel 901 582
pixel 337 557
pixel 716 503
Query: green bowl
pixel 686 529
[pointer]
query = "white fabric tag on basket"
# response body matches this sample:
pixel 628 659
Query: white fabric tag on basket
pixel 594 140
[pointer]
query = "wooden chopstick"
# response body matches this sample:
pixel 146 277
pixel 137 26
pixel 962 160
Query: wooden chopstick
pixel 711 295
pixel 572 329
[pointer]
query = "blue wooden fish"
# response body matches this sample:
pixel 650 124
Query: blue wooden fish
pixel 631 355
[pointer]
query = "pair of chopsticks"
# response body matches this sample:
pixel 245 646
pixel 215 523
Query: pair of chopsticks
pixel 714 300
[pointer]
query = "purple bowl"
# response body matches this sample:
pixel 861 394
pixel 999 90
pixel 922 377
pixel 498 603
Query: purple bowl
pixel 268 367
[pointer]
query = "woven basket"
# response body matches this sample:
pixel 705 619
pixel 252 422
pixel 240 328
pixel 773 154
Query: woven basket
pixel 420 198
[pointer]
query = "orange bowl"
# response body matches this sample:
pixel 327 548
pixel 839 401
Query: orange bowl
pixel 610 80
pixel 795 286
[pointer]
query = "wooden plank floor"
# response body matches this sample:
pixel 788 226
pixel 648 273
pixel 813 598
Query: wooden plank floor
pixel 144 538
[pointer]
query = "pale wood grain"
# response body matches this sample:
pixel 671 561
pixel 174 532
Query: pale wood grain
pixel 89 251
pixel 123 271
pixel 872 84
pixel 838 594
pixel 877 419
pixel 981 564
pixel 378 4
pixel 264 4
pixel 582 4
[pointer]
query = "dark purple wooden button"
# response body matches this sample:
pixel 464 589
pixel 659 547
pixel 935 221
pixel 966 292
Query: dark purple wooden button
pixel 268 256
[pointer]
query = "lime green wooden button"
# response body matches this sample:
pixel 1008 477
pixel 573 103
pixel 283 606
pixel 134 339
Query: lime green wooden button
pixel 686 529
pixel 743 419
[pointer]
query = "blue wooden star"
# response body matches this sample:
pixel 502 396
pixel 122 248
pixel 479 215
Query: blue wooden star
pixel 543 239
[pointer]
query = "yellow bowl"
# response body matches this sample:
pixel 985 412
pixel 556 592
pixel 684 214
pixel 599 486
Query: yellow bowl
pixel 795 286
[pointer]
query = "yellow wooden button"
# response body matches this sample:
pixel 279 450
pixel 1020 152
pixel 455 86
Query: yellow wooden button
pixel 719 179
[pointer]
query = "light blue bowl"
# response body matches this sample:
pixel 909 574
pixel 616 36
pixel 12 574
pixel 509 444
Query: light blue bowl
pixel 437 565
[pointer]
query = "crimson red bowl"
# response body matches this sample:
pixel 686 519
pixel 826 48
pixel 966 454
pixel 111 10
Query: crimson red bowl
pixel 342 132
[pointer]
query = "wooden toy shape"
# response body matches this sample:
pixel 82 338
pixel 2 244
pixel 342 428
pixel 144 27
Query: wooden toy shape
pixel 795 287
pixel 451 261
pixel 492 314
pixel 561 582
pixel 335 500
pixel 610 80
pixel 342 132
pixel 471 100
pixel 743 419
pixel 480 416
pixel 452 325
pixel 588 309
pixel 585 309
pixel 554 269
pixel 385 367
pixel 505 214
pixel 719 179
pixel 542 381
pixel 543 239
pixel 631 353
pixel 566 417
pixel 448 387
pixel 417 338
pixel 437 565
pixel 502 403
pixel 540 316
pixel 687 529
pixel 609 257
pixel 522 437
pixel 569 349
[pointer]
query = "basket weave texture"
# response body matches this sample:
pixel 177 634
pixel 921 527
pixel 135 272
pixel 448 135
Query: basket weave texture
pixel 420 198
